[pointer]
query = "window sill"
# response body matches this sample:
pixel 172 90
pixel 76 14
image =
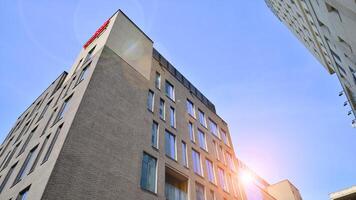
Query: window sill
pixel 149 191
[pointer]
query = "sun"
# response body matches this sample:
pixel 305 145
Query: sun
pixel 246 177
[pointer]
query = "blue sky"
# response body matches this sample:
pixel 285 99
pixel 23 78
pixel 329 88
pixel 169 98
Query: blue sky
pixel 283 109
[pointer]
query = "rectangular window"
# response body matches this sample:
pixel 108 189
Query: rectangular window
pixel 202 139
pixel 184 154
pixel 224 137
pixel 25 165
pixel 63 109
pixel 191 131
pixel 230 161
pixel 51 145
pixel 214 128
pixel 170 145
pixel 39 154
pixel 83 73
pixel 44 110
pixel 148 173
pixel 158 80
pixel 11 155
pixel 80 62
pixel 210 169
pixel 172 114
pixel 150 100
pixel 6 179
pixel 190 108
pixel 89 55
pixel 197 163
pixel 162 109
pixel 199 192
pixel 23 194
pixel 154 134
pixel 202 118
pixel 27 141
pixel 170 90
pixel 222 179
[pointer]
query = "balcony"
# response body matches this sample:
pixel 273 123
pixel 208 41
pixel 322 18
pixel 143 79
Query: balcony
pixel 176 185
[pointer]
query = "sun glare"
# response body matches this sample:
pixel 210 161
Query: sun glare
pixel 246 177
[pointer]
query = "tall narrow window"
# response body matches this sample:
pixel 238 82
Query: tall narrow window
pixel 162 109
pixel 222 179
pixel 191 131
pixel 199 192
pixel 150 100
pixel 89 55
pixel 196 162
pixel 210 169
pixel 148 173
pixel 202 139
pixel 83 73
pixel 172 114
pixel 63 109
pixel 190 108
pixel 170 145
pixel 213 128
pixel 154 134
pixel 25 165
pixel 224 137
pixel 184 154
pixel 11 155
pixel 23 194
pixel 27 141
pixel 170 90
pixel 158 80
pixel 51 145
pixel 202 120
pixel 44 110
pixel 6 179
pixel 47 123
pixel 230 161
pixel 39 154
pixel 80 62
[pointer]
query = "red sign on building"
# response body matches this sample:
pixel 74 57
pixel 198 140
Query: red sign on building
pixel 97 33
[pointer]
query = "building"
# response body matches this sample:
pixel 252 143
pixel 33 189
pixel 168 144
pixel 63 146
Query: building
pixel 346 194
pixel 327 28
pixel 122 124
pixel 284 190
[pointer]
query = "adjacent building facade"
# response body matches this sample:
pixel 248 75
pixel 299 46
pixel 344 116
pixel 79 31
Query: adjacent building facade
pixel 122 124
pixel 327 28
pixel 346 194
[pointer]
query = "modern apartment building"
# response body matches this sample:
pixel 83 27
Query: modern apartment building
pixel 327 28
pixel 346 194
pixel 122 124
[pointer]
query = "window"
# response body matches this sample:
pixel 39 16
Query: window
pixel 202 118
pixel 3 184
pixel 80 62
pixel 150 100
pixel 25 165
pixel 213 128
pixel 154 134
pixel 162 109
pixel 202 139
pixel 196 163
pixel 170 90
pixel 199 192
pixel 83 73
pixel 11 155
pixel 230 161
pixel 23 194
pixel 89 55
pixel 170 145
pixel 210 169
pixel 184 154
pixel 158 80
pixel 44 110
pixel 39 154
pixel 190 108
pixel 224 137
pixel 51 145
pixel 63 109
pixel 222 179
pixel 172 114
pixel 27 141
pixel 191 131
pixel 148 173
